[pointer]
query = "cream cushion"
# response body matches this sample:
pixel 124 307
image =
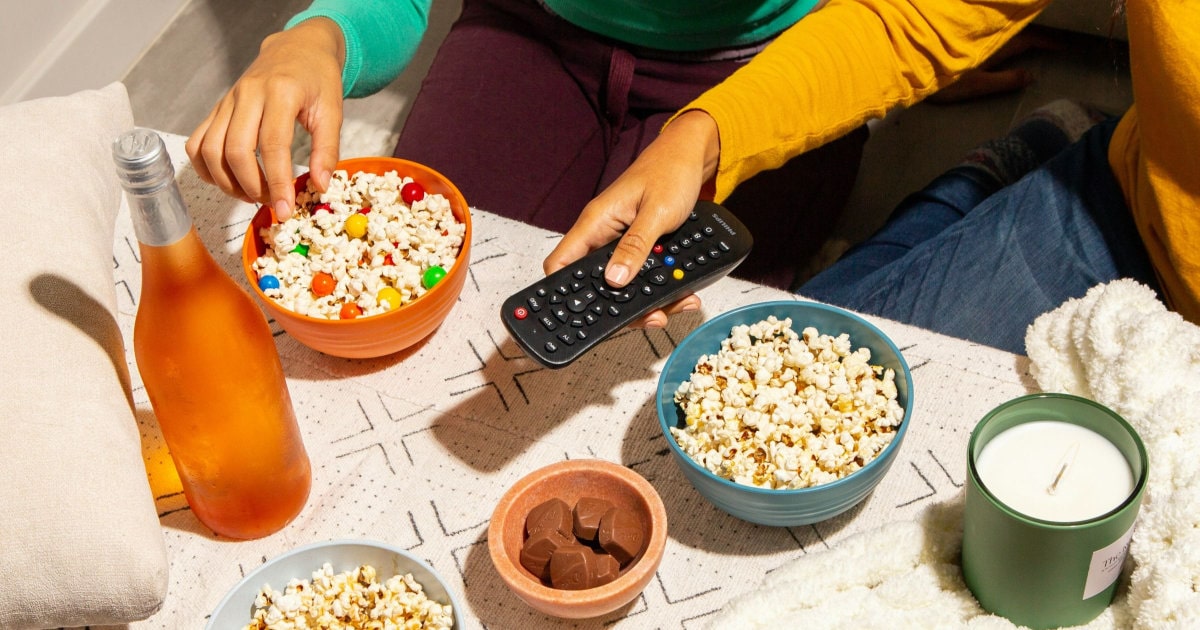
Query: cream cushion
pixel 80 536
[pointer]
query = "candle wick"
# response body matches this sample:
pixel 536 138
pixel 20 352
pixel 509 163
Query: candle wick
pixel 1067 460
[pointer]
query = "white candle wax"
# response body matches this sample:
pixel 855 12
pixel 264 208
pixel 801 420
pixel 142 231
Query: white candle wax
pixel 1055 471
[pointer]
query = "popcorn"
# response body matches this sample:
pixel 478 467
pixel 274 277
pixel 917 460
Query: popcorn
pixel 774 409
pixel 349 600
pixel 361 232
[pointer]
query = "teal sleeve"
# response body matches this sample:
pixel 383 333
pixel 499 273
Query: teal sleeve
pixel 381 38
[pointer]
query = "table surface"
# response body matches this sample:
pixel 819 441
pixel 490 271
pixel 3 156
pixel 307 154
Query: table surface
pixel 415 449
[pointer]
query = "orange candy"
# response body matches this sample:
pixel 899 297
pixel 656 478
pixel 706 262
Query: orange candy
pixel 323 284
pixel 350 310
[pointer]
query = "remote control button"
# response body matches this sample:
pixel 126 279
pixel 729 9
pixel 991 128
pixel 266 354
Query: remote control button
pixel 556 299
pixel 678 274
pixel 657 277
pixel 723 245
pixel 689 265
pixel 520 312
pixel 708 230
pixel 560 314
pixel 548 323
pixel 566 338
pixel 590 319
pixel 657 249
pixel 579 274
pixel 686 243
pixel 650 263
pixel 576 322
pixel 647 290
pixel 581 335
pixel 541 292
pixel 614 311
pixel 673 248
pixel 551 347
pixel 576 286
pixel 669 261
pixel 697 237
pixel 693 216
pixel 714 254
pixel 535 304
pixel 702 259
pixel 562 289
pixel 577 304
pixel 598 271
pixel 598 309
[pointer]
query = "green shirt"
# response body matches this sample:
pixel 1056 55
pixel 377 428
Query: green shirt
pixel 382 35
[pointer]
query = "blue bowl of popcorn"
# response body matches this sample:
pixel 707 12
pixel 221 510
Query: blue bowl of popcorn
pixel 785 413
pixel 300 585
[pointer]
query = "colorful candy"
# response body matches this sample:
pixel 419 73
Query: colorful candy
pixel 356 225
pixel 432 276
pixel 412 192
pixel 268 282
pixel 323 284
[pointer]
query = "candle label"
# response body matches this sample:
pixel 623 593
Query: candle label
pixel 1106 565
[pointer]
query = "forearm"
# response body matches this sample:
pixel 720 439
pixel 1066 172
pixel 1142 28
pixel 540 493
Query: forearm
pixel 381 37
pixel 844 64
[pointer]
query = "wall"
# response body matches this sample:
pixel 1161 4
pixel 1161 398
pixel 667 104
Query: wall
pixel 56 47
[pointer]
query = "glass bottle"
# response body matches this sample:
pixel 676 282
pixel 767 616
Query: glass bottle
pixel 209 363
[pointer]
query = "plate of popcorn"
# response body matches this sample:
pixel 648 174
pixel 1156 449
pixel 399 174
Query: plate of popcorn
pixel 367 267
pixel 339 583
pixel 787 412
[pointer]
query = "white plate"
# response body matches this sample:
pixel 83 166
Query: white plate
pixel 236 608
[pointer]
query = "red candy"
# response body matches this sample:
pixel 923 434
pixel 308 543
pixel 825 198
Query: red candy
pixel 411 192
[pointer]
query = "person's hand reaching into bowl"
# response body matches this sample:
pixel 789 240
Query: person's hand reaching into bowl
pixel 651 198
pixel 297 76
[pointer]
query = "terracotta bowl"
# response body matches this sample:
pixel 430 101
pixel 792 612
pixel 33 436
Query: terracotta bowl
pixel 388 332
pixel 570 480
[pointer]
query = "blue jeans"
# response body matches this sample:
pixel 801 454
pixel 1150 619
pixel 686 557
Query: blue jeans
pixel 970 259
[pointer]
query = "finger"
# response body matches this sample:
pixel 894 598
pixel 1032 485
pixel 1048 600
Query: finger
pixel 648 226
pixel 194 144
pixel 592 230
pixel 979 83
pixel 325 129
pixel 275 147
pixel 241 148
pixel 658 318
pixel 212 148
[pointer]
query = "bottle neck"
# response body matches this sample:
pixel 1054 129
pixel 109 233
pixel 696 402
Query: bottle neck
pixel 160 216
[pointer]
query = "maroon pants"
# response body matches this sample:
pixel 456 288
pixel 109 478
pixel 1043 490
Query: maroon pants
pixel 532 117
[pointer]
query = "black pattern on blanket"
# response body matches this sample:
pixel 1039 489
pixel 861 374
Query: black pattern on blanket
pixel 415 449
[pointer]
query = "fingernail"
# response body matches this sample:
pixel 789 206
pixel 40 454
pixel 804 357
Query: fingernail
pixel 689 307
pixel 616 275
pixel 283 210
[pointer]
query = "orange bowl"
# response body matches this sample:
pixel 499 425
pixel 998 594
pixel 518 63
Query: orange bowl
pixel 389 332
pixel 570 480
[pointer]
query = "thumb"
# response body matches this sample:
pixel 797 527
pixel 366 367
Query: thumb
pixel 635 246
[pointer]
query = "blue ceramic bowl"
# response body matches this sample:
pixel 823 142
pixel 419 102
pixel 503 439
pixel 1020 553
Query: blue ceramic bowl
pixel 764 505
pixel 237 607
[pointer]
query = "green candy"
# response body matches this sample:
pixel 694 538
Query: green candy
pixel 301 249
pixel 432 276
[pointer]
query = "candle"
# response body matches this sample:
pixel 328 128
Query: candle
pixel 1055 471
pixel 1054 483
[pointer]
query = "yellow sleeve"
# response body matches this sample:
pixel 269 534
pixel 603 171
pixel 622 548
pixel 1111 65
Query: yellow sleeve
pixel 848 62
pixel 1154 151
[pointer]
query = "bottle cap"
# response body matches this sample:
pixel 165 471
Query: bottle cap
pixel 143 166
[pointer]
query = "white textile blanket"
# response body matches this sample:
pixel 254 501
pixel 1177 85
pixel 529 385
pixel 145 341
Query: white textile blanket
pixel 1119 346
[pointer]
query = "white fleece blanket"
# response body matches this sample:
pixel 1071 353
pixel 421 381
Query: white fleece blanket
pixel 1119 346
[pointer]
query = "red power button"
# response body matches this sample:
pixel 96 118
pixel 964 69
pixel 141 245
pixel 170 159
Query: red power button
pixel 520 312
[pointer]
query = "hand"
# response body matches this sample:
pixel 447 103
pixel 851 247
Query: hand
pixel 989 78
pixel 297 77
pixel 651 198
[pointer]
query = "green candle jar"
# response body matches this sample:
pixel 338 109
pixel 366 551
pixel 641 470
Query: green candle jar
pixel 1054 483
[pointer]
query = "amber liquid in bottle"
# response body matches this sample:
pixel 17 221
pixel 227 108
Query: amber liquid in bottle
pixel 209 364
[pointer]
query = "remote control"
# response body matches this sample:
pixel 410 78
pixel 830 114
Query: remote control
pixel 560 317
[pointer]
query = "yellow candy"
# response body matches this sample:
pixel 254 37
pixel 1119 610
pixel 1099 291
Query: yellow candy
pixel 390 296
pixel 356 225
